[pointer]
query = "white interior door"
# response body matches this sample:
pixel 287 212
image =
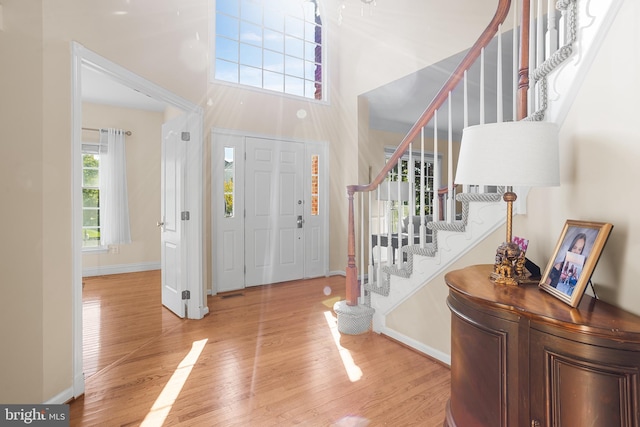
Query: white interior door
pixel 274 202
pixel 171 225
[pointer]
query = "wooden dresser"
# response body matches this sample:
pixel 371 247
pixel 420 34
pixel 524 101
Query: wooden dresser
pixel 520 357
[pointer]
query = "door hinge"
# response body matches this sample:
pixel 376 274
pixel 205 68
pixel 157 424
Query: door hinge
pixel 186 295
pixel 185 216
pixel 186 136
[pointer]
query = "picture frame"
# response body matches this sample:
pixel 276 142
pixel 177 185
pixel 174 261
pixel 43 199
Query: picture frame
pixel 574 259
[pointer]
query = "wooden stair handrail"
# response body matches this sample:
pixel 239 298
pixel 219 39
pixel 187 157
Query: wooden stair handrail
pixel 441 96
pixel 352 285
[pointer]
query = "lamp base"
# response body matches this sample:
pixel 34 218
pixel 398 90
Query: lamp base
pixel 509 266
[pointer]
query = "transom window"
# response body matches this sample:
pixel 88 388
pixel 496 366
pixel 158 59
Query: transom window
pixel 270 44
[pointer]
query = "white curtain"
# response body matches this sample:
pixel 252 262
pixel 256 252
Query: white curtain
pixel 114 205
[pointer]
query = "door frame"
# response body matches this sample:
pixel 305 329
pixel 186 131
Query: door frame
pixel 310 147
pixel 197 308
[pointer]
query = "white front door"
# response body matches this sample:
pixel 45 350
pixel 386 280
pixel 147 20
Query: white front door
pixel 269 210
pixel 171 224
pixel 274 203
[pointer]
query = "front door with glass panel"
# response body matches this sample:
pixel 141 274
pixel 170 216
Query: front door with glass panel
pixel 268 215
pixel 274 245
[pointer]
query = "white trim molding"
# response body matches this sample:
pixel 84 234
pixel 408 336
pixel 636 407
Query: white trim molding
pixel 104 270
pixel 82 57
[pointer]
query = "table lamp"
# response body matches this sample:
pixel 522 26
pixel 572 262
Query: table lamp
pixel 522 153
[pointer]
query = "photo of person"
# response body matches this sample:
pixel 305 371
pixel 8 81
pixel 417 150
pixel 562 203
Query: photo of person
pixel 575 256
pixel 572 255
pixel 570 273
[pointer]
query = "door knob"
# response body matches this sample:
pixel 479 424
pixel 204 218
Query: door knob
pixel 300 221
pixel 160 224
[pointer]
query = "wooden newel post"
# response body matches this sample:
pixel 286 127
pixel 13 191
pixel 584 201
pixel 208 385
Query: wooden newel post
pixel 523 72
pixel 353 287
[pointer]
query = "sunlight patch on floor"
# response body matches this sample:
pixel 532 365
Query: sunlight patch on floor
pixel 161 407
pixel 353 371
pixel 329 302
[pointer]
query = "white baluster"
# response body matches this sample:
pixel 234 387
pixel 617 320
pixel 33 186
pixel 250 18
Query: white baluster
pixel 552 31
pixel 499 113
pixel 481 188
pixel 540 54
pixel 482 86
pixel 389 224
pixel 450 206
pixel 563 38
pixel 422 230
pixel 411 199
pixel 370 268
pixel 436 169
pixel 378 246
pixel 465 113
pixel 362 240
pixel 514 59
pixel 532 58
pixel 540 50
pixel 399 209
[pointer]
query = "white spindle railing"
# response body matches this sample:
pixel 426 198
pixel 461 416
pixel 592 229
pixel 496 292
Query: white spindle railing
pixel 382 230
pixel 436 169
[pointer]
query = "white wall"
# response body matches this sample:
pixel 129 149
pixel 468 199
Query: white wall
pixel 21 195
pixel 599 149
pixel 600 146
pixel 165 41
pixel 143 148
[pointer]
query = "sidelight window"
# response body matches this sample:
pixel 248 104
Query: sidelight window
pixel 229 179
pixel 315 178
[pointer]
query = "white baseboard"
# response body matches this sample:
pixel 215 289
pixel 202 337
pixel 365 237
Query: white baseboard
pixel 203 311
pixel 120 268
pixel 60 398
pixel 421 347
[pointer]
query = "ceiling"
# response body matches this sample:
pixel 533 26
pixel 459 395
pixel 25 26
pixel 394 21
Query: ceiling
pixel 98 88
pixel 394 107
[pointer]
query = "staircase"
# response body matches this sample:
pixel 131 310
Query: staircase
pixel 553 51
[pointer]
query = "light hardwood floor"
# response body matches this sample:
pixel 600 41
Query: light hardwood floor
pixel 266 356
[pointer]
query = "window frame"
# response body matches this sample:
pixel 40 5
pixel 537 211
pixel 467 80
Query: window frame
pixel 95 149
pixel 429 157
pixel 323 60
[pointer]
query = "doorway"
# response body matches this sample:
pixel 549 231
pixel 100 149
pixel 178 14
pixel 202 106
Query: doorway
pixel 191 198
pixel 269 210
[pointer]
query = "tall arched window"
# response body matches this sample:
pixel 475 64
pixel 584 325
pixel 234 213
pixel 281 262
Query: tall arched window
pixel 270 44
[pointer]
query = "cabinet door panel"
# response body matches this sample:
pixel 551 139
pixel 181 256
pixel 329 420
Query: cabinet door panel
pixel 573 384
pixel 479 370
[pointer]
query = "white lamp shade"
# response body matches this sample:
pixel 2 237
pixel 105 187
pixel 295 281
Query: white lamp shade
pixel 522 153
